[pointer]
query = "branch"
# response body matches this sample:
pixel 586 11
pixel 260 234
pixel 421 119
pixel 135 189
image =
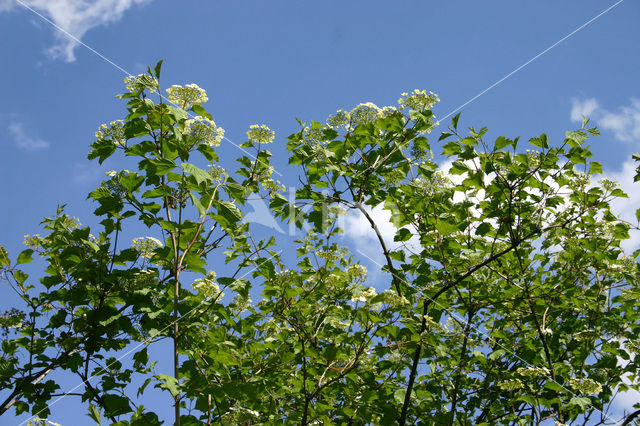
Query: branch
pixel 13 398
pixel 392 269
pixel 630 417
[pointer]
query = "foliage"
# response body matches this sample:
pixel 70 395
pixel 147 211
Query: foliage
pixel 510 299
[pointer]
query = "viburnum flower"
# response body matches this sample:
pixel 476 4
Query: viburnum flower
pixel 363 294
pixel 33 241
pixel 145 246
pixel 418 100
pixel 204 130
pixel 114 132
pixel 187 96
pixel 208 287
pixel 340 118
pixel 365 113
pixel 141 82
pixel 585 386
pixel 260 134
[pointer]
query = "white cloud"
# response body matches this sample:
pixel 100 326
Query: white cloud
pixel 75 17
pixel 25 141
pixel 624 123
pixel 580 108
pixel 357 229
pixel 625 208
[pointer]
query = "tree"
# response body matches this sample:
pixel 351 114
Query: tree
pixel 509 298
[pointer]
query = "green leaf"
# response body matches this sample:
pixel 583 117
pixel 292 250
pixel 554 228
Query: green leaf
pixel 208 152
pixel 4 257
pixel 169 383
pixel 497 354
pixel 403 234
pixel 483 228
pixel 228 214
pixel 101 149
pixel 94 414
pixel 595 167
pixel 554 387
pixel 445 227
pixel 156 69
pixel 444 135
pixel 199 174
pixel 619 193
pixel 161 166
pixel 582 402
pixel 196 202
pixel 541 141
pixel 454 121
pixel 501 142
pixel 201 111
pixel 25 256
pixel 116 405
pixel 399 395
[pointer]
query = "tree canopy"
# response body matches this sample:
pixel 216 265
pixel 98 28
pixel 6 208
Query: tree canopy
pixel 506 297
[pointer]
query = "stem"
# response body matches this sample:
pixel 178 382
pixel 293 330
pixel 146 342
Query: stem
pixel 176 300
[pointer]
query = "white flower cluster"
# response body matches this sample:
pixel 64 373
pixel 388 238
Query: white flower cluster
pixel 218 173
pixel 418 100
pixel 585 386
pixel 608 185
pixel 579 182
pixel 204 130
pixel 332 254
pixel 113 173
pixel 315 138
pixel 239 416
pixel 356 273
pixel 632 346
pixel 187 96
pixel 340 118
pixel 261 134
pixel 511 385
pixel 241 303
pixel 141 82
pixel 362 294
pixel 393 299
pixel 208 287
pixel 33 241
pixel 365 113
pixel 37 421
pixel 272 186
pixel 145 246
pixel 113 132
pixel 337 210
pixel 533 372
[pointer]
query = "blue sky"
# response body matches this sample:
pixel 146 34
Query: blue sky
pixel 270 62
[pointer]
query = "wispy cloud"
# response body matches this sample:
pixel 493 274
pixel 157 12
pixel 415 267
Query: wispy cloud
pixel 75 17
pixel 583 108
pixel 624 123
pixel 6 5
pixel 86 174
pixel 23 139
